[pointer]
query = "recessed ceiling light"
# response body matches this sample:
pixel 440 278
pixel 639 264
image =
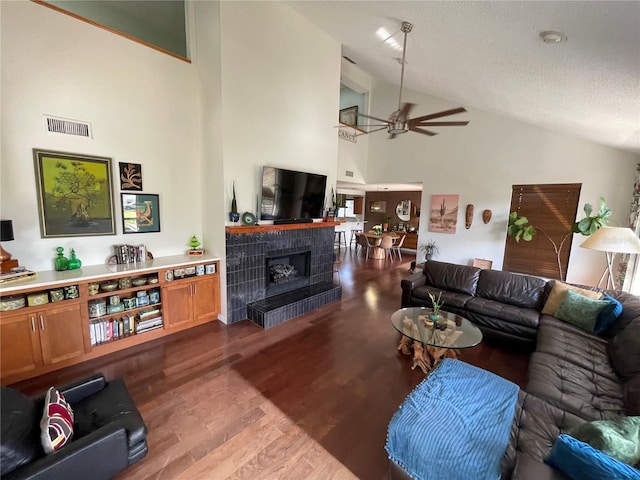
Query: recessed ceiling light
pixel 551 36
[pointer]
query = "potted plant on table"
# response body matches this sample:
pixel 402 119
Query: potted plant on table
pixel 436 304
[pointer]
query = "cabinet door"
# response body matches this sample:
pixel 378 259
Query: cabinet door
pixel 61 334
pixel 20 344
pixel 177 309
pixel 358 205
pixel 206 301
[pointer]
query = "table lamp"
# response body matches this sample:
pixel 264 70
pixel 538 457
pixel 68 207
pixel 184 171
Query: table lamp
pixel 612 240
pixel 6 235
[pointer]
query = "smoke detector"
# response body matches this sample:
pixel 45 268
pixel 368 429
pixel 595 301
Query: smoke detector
pixel 551 36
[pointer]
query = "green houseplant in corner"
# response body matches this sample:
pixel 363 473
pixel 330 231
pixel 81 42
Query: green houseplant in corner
pixel 520 229
pixel 430 249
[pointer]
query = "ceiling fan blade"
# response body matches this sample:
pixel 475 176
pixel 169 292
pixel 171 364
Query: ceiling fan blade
pixel 440 124
pixel 404 111
pixel 424 132
pixel 437 115
pixel 373 118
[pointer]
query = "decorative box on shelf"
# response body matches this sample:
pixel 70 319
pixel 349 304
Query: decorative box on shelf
pixel 195 252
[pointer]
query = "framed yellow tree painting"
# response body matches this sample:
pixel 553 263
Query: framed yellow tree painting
pixel 75 194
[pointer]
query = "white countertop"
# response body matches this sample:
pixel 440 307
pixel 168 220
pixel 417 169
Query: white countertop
pixel 49 278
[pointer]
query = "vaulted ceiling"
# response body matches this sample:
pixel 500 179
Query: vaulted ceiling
pixel 490 56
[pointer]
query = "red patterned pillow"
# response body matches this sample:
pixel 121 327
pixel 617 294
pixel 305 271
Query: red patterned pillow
pixel 57 422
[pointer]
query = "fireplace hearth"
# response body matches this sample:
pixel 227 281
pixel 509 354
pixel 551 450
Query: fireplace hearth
pixel 275 273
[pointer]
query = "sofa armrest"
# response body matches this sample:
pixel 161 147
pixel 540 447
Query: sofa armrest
pixel 99 455
pixel 408 284
pixel 76 391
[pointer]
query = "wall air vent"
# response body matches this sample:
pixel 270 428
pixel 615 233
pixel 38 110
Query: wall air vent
pixel 68 127
pixel 348 173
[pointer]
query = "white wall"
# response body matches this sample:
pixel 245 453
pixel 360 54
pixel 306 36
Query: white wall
pixel 352 156
pixel 280 96
pixel 481 162
pixel 144 107
pixel 205 53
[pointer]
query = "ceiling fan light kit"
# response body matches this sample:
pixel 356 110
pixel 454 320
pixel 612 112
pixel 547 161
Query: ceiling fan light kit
pixel 399 121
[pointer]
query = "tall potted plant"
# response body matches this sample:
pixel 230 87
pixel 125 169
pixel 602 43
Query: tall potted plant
pixel 520 229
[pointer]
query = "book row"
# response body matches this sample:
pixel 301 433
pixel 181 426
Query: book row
pixel 107 330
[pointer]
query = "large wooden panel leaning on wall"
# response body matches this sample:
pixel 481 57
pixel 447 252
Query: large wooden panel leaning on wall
pixel 77 315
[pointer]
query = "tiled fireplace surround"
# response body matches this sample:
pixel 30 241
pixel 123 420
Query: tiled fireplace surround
pixel 246 250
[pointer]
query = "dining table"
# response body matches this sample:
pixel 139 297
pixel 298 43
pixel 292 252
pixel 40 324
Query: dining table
pixel 375 239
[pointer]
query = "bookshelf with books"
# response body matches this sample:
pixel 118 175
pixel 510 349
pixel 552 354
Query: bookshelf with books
pixel 97 310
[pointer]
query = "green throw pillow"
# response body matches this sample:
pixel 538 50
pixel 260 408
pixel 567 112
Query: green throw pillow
pixel 580 311
pixel 620 439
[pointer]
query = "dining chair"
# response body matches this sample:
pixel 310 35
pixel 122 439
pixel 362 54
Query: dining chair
pixel 371 243
pixel 387 245
pixel 398 245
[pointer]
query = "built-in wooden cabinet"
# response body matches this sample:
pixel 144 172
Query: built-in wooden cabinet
pixel 44 337
pixel 411 241
pixel 39 338
pixel 188 303
pixel 358 205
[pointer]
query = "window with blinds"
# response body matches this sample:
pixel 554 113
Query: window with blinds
pixel 552 210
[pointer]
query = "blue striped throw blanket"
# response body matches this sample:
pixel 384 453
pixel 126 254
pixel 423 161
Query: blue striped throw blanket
pixel 454 425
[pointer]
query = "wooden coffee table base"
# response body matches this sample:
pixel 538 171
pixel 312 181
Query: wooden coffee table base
pixel 424 356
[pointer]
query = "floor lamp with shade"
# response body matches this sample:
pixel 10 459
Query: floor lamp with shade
pixel 612 240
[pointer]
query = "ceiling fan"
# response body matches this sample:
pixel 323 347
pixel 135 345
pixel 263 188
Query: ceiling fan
pixel 399 121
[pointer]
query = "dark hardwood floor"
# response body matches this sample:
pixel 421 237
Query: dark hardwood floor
pixel 308 399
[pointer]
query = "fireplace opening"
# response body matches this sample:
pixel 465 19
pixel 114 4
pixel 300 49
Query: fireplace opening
pixel 287 272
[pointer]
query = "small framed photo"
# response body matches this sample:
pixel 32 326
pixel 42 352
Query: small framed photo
pixel 210 269
pixel 140 213
pixel 130 176
pixel 199 269
pixel 349 115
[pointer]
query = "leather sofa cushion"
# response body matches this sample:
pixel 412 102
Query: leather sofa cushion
pixel 535 427
pixel 458 300
pixel 455 278
pixel 632 396
pixel 569 343
pixel 511 288
pixel 529 469
pixel 113 404
pixel 20 430
pixel 503 311
pixel 624 350
pixel 507 331
pixel 630 311
pixel 577 390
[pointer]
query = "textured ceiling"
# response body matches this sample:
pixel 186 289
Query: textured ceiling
pixel 489 56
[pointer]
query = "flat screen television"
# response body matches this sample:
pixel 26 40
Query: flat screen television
pixel 291 195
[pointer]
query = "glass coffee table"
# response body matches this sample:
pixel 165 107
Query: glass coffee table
pixel 432 341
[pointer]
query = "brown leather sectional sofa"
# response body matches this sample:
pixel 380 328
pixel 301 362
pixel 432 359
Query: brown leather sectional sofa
pixel 574 376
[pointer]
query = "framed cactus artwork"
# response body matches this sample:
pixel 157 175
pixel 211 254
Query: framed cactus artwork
pixel 444 213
